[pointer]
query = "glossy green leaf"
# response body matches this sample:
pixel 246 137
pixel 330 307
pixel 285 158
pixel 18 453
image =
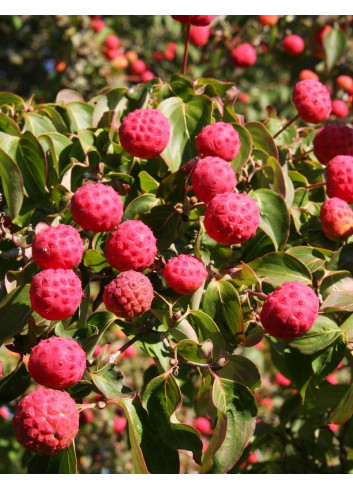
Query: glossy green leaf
pixel 15 384
pixel 11 179
pixel 101 320
pixel 32 163
pixel 60 463
pixel 326 360
pixel 245 147
pixel 7 98
pixel 94 259
pixel 164 222
pixel 334 43
pixel 342 259
pixel 206 329
pixel 80 115
pixel 113 100
pixel 37 124
pixel 192 351
pixel 344 410
pixel 140 205
pixel 242 370
pixel 148 183
pixel 313 258
pixel 338 301
pixel 108 380
pixel 9 126
pixel 262 139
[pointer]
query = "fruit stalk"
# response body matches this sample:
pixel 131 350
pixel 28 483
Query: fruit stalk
pixel 186 49
pixel 286 125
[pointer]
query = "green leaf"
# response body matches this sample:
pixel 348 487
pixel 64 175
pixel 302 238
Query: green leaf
pixel 221 302
pixel 325 361
pixel 80 115
pixel 61 463
pixel 313 258
pixel 7 98
pixel 50 111
pixel 242 370
pixel 140 205
pixel 186 121
pixel 262 139
pixel 14 384
pixel 236 415
pixel 148 183
pixel 57 147
pixel 101 320
pixel 245 147
pixel 66 95
pixel 342 259
pixel 164 221
pixel 9 126
pixel 206 329
pixel 344 410
pixel 338 301
pixel 336 282
pixel 322 334
pixel 347 326
pixel 192 351
pixel 95 260
pixel 274 216
pixel 108 381
pixel 334 42
pixel 31 160
pixel 113 100
pixel 161 399
pixel 11 179
pixel 37 124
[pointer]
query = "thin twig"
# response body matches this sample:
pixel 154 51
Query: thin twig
pixel 285 126
pixel 186 49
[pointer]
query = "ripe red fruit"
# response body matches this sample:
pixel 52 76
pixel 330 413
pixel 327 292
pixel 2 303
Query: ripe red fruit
pixel 131 247
pixel 339 178
pixel 169 54
pixel 55 294
pixel 244 98
pixel 218 139
pixel 268 19
pixel 194 19
pixel 212 176
pixel 57 247
pixel 112 41
pixel 97 25
pixel 60 66
pixel 4 412
pixel 138 67
pixel 293 45
pixel 185 273
pixel 203 425
pixel 57 362
pixel 111 54
pixel 345 82
pixel 282 380
pixel 119 425
pixel 199 35
pixel 340 109
pixel 308 75
pixel 232 218
pixel 147 75
pixel 332 379
pixel 336 219
pixel 312 100
pixel 158 56
pixel 131 56
pixel 130 352
pixel 144 133
pixel 290 311
pixel 96 207
pixel 46 421
pixel 129 295
pixel 333 140
pixel 243 56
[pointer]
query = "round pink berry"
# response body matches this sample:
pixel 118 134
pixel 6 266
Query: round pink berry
pixel 339 178
pixel 119 425
pixel 243 56
pixel 138 67
pixel 308 75
pixel 55 294
pixel 218 139
pixel 312 100
pixel 212 176
pixel 57 247
pixel 131 247
pixel 293 45
pixel 268 19
pixel 57 362
pixel 96 207
pixel 46 421
pixel 203 425
pixel 333 140
pixel 144 133
pixel 336 219
pixel 340 109
pixel 232 218
pixel 199 35
pixel 112 41
pixel 290 311
pixel 185 273
pixel 201 20
pixel 129 295
pixel 147 75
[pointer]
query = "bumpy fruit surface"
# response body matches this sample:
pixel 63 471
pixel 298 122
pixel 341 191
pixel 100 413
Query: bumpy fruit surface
pixel 57 362
pixel 212 176
pixel 293 45
pixel 129 295
pixel 218 139
pixel 308 75
pixel 333 140
pixel 199 35
pixel 96 207
pixel 312 100
pixel 55 294
pixel 185 273
pixel 290 311
pixel 57 247
pixel 194 19
pixel 232 218
pixel 340 109
pixel 131 247
pixel 144 133
pixel 46 421
pixel 336 219
pixel 339 178
pixel 243 56
pixel 268 19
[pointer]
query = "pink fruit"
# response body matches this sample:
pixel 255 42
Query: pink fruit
pixel 244 98
pixel 4 412
pixel 333 140
pixel 340 109
pixel 282 380
pixel 144 133
pixel 232 218
pixel 96 207
pixel 57 362
pixel 138 67
pixel 345 82
pixel 97 25
pixel 147 75
pixel 332 379
pixel 218 139
pixel 243 56
pixel 131 56
pixel 203 425
pixel 212 176
pixel 308 75
pixel 129 295
pixel 46 421
pixel 111 54
pixel 112 41
pixel 0 368
pixel 268 19
pixel 253 458
pixel 131 247
pixel 130 352
pixel 199 35
pixel 339 178
pixel 57 247
pixel 336 219
pixel 312 100
pixel 334 427
pixel 55 294
pixel 158 56
pixel 185 273
pixel 293 45
pixel 290 311
pixel 119 425
pixel 194 19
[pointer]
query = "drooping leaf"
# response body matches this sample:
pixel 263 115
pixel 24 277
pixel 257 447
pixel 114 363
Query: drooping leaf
pixel 32 163
pixel 108 380
pixel 245 147
pixel 14 384
pixel 242 370
pixel 206 329
pixel 334 43
pixel 326 360
pixel 11 179
pixel 60 463
pixel 262 139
